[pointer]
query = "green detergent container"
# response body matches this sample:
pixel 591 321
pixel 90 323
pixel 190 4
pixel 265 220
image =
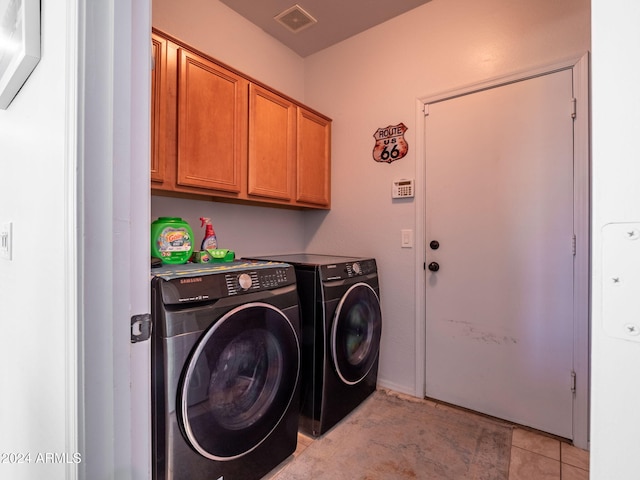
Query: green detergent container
pixel 171 240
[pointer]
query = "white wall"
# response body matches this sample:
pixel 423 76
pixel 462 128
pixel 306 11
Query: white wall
pixel 35 313
pixel 373 80
pixel 247 230
pixel 615 397
pixel 215 29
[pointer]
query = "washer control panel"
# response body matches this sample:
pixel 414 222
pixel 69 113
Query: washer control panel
pixel 196 283
pixel 256 280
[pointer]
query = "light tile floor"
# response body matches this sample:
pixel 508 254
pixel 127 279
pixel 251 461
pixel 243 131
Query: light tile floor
pixel 537 456
pixel 534 456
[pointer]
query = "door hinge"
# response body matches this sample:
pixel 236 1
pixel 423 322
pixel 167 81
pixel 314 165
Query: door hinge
pixel 140 327
pixel 573 245
pixel 574 102
pixel 573 382
pixel 425 109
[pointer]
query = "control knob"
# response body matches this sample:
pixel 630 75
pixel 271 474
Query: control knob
pixel 244 280
pixel 356 268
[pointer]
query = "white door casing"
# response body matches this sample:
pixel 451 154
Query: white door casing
pixel 113 143
pixel 489 248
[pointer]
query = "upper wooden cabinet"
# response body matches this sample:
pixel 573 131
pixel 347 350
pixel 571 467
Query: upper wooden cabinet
pixel 218 133
pixel 272 144
pixel 212 124
pixel 313 159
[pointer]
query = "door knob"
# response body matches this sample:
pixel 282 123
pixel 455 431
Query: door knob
pixel 434 267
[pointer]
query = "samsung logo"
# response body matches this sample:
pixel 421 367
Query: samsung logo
pixel 191 280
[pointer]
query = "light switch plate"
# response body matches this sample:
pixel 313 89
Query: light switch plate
pixel 5 240
pixel 407 238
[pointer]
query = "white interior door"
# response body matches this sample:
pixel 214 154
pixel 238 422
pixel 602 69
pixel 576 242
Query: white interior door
pixel 499 200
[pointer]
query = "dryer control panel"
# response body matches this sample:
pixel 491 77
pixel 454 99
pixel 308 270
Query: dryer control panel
pixel 340 271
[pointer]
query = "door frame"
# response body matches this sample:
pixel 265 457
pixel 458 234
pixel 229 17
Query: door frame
pixel 110 46
pixel 581 158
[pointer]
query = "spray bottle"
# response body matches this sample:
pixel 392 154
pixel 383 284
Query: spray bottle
pixel 210 242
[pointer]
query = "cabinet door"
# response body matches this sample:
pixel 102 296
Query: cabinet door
pixel 272 144
pixel 212 125
pixel 158 107
pixel 313 159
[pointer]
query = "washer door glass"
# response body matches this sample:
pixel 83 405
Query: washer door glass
pixel 239 381
pixel 355 333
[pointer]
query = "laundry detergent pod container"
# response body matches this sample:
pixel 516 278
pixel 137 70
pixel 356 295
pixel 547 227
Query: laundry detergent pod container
pixel 171 240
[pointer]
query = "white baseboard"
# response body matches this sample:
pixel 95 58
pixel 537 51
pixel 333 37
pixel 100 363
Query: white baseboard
pixel 397 388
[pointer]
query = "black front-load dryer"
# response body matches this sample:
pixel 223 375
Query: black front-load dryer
pixel 225 369
pixel 341 327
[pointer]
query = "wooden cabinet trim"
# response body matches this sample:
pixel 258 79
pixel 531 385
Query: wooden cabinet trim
pixel 158 107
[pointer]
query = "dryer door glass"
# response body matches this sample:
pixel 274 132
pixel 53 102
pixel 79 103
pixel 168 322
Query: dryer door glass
pixel 239 381
pixel 355 333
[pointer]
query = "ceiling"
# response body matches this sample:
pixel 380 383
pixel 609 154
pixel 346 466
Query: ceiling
pixel 337 20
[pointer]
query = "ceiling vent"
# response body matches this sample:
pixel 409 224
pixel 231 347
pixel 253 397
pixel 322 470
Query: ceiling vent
pixel 295 19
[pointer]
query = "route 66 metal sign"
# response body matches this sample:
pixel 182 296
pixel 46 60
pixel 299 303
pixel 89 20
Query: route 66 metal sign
pixel 390 143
